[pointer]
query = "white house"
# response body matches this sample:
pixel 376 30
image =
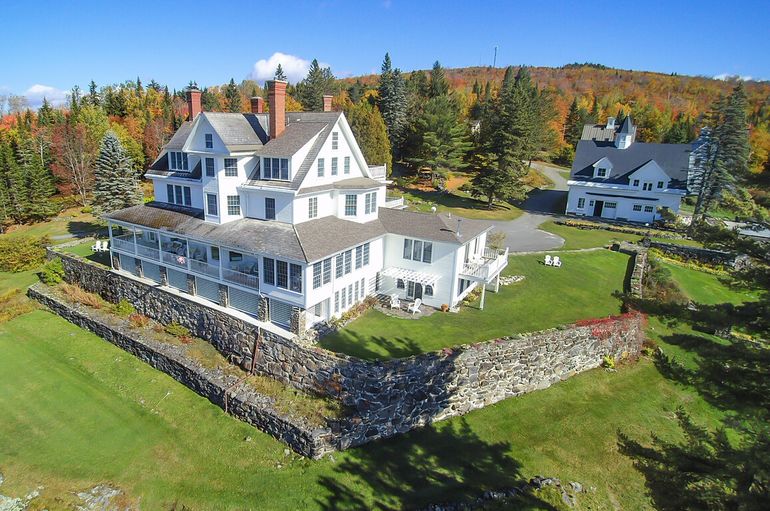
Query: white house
pixel 279 216
pixel 615 177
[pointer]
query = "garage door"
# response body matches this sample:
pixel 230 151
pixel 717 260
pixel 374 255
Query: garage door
pixel 244 301
pixel 207 289
pixel 280 313
pixel 177 279
pixel 128 264
pixel 151 271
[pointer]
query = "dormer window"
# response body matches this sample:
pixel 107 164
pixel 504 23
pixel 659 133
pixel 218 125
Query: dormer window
pixel 661 184
pixel 177 160
pixel 335 140
pixel 209 141
pixel 276 168
pixel 601 172
pixel 636 182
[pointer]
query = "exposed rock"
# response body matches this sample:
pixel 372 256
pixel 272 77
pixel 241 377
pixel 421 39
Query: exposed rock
pixel 100 498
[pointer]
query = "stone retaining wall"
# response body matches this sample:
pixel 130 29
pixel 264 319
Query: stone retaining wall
pixel 702 255
pixel 386 397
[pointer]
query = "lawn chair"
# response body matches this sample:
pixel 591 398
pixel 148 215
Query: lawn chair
pixel 395 303
pixel 97 246
pixel 548 261
pixel 415 307
pixel 556 262
pixel 105 246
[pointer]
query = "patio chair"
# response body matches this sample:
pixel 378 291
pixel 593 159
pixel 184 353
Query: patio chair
pixel 548 261
pixel 415 307
pixel 105 246
pixel 395 303
pixel 556 262
pixel 97 246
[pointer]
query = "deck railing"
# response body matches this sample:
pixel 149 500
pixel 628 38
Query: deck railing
pixel 490 264
pixel 124 244
pixel 147 251
pixel 175 259
pixel 237 277
pixel 204 268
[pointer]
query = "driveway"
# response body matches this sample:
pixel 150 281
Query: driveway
pixel 522 234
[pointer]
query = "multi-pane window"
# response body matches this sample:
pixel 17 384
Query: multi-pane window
pixel 344 299
pixel 359 256
pixel 327 269
pixel 234 205
pixel 321 165
pixel 610 205
pixel 231 167
pixel 269 208
pixel 312 207
pixel 210 167
pixel 649 209
pixel 295 278
pixel 417 250
pixel 348 261
pixel 209 140
pixel 276 168
pixel 636 182
pixel 370 202
pixel 366 254
pixel 363 287
pixel 268 270
pixel 356 290
pixel 601 172
pixel 282 274
pixel 177 194
pixel 335 140
pixel 350 294
pixel 340 271
pixel 211 204
pixel 177 160
pixel 317 270
pixel 334 166
pixel 647 187
pixel 350 205
pixel 347 164
pixel 660 184
pixel 336 301
pixel 637 207
pixel 581 203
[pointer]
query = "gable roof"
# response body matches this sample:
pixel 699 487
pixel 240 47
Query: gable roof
pixel 431 226
pixel 179 137
pixel 674 159
pixel 328 235
pixel 238 131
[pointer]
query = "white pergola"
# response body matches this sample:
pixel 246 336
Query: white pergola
pixel 419 277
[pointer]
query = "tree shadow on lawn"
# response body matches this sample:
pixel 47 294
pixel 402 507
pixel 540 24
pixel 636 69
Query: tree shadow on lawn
pixel 357 345
pixel 82 229
pixel 438 464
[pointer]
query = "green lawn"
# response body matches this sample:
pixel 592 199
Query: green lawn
pixel 548 297
pixel 69 222
pixel 575 238
pixel 707 288
pixel 458 203
pixel 84 250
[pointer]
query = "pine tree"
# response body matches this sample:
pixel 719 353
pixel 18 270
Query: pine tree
pixel 393 103
pixel 210 101
pixel 115 182
pixel 310 91
pixel 680 132
pixel 93 94
pixel 573 124
pixel 279 74
pixel 74 104
pixel 620 116
pixel 11 183
pixel 37 183
pixel 233 101
pixel 593 116
pixel 439 86
pixel 45 115
pixel 443 141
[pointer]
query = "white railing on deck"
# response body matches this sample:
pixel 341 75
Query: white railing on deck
pixel 124 245
pixel 241 278
pixel 175 259
pixel 378 172
pixel 148 252
pixel 204 268
pixel 491 263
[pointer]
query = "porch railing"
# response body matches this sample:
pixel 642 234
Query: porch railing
pixel 204 268
pixel 237 277
pixel 490 264
pixel 123 244
pixel 148 252
pixel 175 259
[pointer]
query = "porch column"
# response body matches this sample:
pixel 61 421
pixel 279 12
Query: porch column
pixel 497 283
pixel 483 295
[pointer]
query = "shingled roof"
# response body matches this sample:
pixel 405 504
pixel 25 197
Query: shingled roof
pixel 431 226
pixel 238 131
pixel 674 159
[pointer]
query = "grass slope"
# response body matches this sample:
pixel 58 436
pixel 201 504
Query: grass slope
pixel 706 288
pixel 548 297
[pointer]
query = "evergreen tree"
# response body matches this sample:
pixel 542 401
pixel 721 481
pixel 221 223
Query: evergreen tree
pixel 356 91
pixel 37 183
pixel 419 86
pixel 93 94
pixel 210 101
pixel 74 104
pixel 233 101
pixel 680 132
pixel 279 74
pixel 310 91
pixel 393 103
pixel 370 132
pixel 115 182
pixel 139 89
pixel 11 183
pixel 443 141
pixel 439 86
pixel 492 181
pixel 573 124
pixel 593 116
pixel 620 116
pixel 45 115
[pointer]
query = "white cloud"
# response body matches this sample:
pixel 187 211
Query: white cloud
pixel 37 92
pixel 728 76
pixel 295 68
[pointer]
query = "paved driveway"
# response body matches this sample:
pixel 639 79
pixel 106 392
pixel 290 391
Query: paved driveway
pixel 522 234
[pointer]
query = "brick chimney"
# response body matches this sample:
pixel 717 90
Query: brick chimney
pixel 257 105
pixel 327 102
pixel 193 102
pixel 276 98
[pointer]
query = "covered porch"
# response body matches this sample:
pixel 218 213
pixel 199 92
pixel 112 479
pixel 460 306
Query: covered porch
pixel 485 269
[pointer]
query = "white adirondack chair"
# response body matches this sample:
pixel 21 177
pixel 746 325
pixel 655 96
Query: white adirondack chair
pixel 105 246
pixel 97 246
pixel 415 306
pixel 548 261
pixel 395 303
pixel 556 262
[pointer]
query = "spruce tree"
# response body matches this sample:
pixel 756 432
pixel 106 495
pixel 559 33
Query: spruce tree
pixel 45 115
pixel 310 91
pixel 210 101
pixel 444 141
pixel 233 101
pixel 38 186
pixel 620 116
pixel 393 103
pixel 279 74
pixel 573 124
pixel 115 182
pixel 439 86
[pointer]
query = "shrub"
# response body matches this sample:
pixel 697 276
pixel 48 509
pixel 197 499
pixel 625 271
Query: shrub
pixel 21 253
pixel 14 303
pixel 123 308
pixel 87 210
pixel 137 320
pixel 565 156
pixel 608 362
pixel 177 330
pixel 660 286
pixel 53 272
pixel 81 296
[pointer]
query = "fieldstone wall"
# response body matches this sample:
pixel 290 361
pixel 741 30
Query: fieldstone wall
pixel 385 398
pixel 639 255
pixel 702 255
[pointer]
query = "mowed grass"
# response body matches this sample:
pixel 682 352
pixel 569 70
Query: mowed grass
pixel 84 250
pixel 707 288
pixel 69 222
pixel 575 238
pixel 548 297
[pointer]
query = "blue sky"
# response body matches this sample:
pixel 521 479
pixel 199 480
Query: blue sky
pixel 46 47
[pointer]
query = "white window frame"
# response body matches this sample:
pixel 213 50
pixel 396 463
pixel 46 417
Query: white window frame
pixel 208 204
pixel 649 209
pixel 208 140
pixel 601 172
pixel 213 168
pixel 581 203
pixel 234 204
pixel 334 165
pixel 335 140
pixel 637 208
pixel 351 204
pixel 346 165
pixel 312 207
pixel 321 167
pixel 177 160
pixel 231 168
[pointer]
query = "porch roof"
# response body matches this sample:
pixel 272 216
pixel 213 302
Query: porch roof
pixel 420 277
